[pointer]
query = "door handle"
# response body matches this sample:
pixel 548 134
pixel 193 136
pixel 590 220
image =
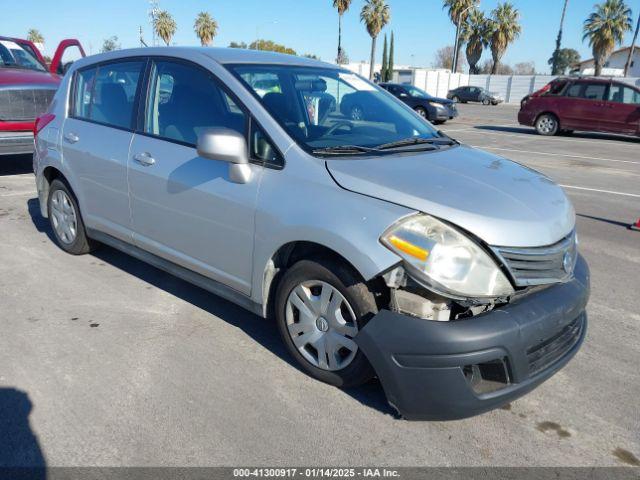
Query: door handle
pixel 72 138
pixel 145 159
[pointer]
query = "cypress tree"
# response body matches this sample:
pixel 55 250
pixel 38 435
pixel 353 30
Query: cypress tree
pixel 385 52
pixel 391 60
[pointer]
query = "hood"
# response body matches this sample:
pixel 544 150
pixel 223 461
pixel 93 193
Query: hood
pixel 499 201
pixel 22 77
pixel 444 101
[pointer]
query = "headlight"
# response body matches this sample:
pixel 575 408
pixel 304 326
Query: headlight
pixel 436 104
pixel 445 259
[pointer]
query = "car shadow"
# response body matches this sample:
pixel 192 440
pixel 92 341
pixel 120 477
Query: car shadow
pixel 260 330
pixel 15 164
pixel 20 452
pixel 604 220
pixel 585 135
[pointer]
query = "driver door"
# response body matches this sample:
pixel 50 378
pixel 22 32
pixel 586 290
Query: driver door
pixel 184 207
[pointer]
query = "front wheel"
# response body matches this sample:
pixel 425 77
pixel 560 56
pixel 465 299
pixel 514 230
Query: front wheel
pixel 547 125
pixel 486 101
pixel 321 305
pixel 422 112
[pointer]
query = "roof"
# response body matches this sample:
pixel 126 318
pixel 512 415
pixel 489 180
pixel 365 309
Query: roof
pixel 620 50
pixel 220 55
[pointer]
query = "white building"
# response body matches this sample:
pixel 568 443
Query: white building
pixel 615 65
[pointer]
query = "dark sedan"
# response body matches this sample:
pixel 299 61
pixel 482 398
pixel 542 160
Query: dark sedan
pixel 436 110
pixel 474 94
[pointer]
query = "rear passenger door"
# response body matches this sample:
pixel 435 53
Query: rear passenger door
pixel 96 139
pixel 583 106
pixel 185 208
pixel 622 114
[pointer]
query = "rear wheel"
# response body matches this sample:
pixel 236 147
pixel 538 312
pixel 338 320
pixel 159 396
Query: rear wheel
pixel 456 99
pixel 547 125
pixel 66 221
pixel 321 306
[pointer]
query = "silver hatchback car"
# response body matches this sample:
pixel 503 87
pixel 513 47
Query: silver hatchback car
pixel 381 246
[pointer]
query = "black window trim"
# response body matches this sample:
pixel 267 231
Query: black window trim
pixel 97 66
pixel 583 84
pixel 249 118
pixel 623 85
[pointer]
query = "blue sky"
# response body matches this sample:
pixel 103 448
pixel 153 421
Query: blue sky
pixel 309 26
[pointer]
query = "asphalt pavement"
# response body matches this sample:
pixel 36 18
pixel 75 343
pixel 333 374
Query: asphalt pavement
pixel 107 361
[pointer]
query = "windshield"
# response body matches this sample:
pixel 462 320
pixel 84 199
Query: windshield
pixel 13 55
pixel 416 92
pixel 326 108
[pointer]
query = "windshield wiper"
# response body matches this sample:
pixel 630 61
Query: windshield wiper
pixel 434 142
pixel 344 150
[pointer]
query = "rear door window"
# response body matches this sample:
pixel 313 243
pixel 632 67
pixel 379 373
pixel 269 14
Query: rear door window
pixel 623 94
pixel 594 91
pixel 107 94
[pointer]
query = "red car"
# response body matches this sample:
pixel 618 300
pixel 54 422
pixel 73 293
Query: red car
pixel 27 85
pixel 588 104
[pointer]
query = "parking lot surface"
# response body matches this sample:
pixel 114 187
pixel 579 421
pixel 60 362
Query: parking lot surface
pixel 107 361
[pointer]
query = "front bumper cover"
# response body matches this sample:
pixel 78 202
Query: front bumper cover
pixel 420 362
pixel 14 143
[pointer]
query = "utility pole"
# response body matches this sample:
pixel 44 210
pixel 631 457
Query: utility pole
pixel 632 49
pixel 456 47
pixel 153 14
pixel 554 67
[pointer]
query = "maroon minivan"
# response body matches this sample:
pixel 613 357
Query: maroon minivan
pixel 587 104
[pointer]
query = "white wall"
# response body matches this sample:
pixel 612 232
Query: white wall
pixel 615 64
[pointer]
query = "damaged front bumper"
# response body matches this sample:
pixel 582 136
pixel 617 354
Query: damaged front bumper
pixel 450 370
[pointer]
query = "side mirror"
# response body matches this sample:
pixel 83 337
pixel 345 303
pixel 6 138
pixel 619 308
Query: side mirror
pixel 225 145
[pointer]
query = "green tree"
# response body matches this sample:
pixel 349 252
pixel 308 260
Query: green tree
pixel 563 59
pixel 505 26
pixel 238 45
pixel 206 28
pixel 554 57
pixel 34 35
pixel 110 44
pixel 391 62
pixel 459 11
pixel 476 33
pixel 165 26
pixel 605 28
pixel 375 14
pixel 271 46
pixel 385 59
pixel 342 6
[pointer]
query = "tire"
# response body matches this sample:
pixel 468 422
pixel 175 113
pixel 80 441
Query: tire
pixel 422 112
pixel 456 99
pixel 439 122
pixel 346 367
pixel 66 220
pixel 486 101
pixel 547 124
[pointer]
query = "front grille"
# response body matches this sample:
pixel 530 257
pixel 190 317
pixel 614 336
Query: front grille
pixel 549 351
pixel 24 104
pixel 540 265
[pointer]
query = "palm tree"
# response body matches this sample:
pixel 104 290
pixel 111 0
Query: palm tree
pixel 505 28
pixel 206 28
pixel 342 6
pixel 165 26
pixel 34 35
pixel 605 28
pixel 458 13
pixel 476 32
pixel 554 58
pixel 376 14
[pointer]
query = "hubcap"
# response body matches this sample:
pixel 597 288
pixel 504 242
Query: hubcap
pixel 322 325
pixel 546 124
pixel 63 217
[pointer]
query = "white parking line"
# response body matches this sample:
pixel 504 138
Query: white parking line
pixel 555 154
pixel 486 131
pixel 635 195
